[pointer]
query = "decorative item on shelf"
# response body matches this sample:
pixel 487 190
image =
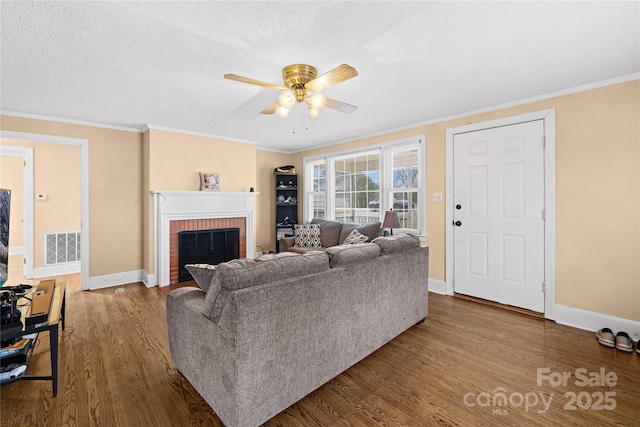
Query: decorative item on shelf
pixel 391 220
pixel 285 169
pixel 209 181
pixel 286 222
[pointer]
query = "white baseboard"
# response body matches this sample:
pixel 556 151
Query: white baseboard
pixel 437 286
pixel 16 250
pixel 117 279
pixel 149 280
pixel 56 270
pixel 592 321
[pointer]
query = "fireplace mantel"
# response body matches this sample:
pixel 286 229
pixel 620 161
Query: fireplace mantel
pixel 180 205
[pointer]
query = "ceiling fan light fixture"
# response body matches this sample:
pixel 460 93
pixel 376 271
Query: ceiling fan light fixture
pixel 318 100
pixel 287 99
pixel 302 83
pixel 313 112
pixel 282 111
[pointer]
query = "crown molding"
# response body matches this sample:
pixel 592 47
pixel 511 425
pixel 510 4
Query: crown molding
pixel 73 122
pixel 188 132
pixel 273 150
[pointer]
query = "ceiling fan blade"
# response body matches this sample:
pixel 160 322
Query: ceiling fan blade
pixel 253 82
pixel 339 74
pixel 339 105
pixel 270 109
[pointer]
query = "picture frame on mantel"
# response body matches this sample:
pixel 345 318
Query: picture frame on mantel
pixel 209 181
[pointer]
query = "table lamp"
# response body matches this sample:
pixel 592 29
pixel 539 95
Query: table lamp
pixel 391 220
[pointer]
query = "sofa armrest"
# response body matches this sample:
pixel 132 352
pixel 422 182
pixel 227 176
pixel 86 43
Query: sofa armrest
pixel 285 243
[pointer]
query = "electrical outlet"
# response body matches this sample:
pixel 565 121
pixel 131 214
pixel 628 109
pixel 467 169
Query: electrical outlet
pixel 437 197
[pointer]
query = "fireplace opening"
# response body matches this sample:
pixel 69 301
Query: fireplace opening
pixel 206 247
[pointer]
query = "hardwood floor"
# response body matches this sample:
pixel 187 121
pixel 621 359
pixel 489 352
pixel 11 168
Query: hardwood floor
pixel 116 370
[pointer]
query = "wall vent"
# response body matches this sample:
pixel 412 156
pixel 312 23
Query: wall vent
pixel 61 248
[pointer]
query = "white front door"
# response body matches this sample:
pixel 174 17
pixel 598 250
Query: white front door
pixel 498 214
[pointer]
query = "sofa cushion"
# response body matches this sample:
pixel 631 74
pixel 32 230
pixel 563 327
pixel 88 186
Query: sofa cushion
pixel 399 242
pixel 307 236
pixel 329 231
pixel 371 230
pixel 203 274
pixel 243 273
pixel 342 255
pixel 298 250
pixel 355 237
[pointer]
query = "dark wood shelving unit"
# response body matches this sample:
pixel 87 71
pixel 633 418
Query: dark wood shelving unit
pixel 286 205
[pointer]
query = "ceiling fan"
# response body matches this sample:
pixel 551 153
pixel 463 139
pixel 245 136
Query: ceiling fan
pixel 303 84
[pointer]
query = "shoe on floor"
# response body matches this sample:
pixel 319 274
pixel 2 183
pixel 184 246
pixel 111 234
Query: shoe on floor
pixel 624 342
pixel 605 337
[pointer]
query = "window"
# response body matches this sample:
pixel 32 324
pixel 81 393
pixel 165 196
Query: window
pixel 405 186
pixel 357 186
pixel 317 195
pixel 360 185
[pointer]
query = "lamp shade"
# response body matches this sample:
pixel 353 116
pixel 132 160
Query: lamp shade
pixel 391 220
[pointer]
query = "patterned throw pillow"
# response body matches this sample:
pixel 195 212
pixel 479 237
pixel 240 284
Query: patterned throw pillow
pixel 307 236
pixel 355 237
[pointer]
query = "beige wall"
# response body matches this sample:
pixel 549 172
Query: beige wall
pixel 115 218
pixel 598 194
pixel 11 179
pixel 173 161
pixel 266 161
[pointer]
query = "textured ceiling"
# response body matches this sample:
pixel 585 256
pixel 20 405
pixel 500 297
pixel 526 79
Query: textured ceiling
pixel 132 64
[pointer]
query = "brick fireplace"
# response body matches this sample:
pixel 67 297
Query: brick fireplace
pixel 177 211
pixel 178 226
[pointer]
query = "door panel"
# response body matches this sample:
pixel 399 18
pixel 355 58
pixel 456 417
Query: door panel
pixel 499 244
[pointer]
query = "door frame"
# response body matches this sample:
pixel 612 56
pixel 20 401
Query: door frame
pixel 549 123
pixel 84 196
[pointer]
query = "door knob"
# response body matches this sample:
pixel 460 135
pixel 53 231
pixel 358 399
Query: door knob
pixel 457 223
pixel 458 207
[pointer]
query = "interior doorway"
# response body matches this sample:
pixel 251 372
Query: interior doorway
pixel 84 197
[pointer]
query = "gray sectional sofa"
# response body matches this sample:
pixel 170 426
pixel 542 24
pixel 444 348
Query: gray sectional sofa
pixel 332 233
pixel 269 331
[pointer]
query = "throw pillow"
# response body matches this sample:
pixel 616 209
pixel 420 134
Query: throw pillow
pixel 307 236
pixel 203 274
pixel 371 230
pixel 355 237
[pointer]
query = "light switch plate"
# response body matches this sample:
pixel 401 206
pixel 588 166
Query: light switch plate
pixel 437 197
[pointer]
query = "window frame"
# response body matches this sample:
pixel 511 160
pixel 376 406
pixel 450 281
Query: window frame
pixel 308 180
pixel 385 152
